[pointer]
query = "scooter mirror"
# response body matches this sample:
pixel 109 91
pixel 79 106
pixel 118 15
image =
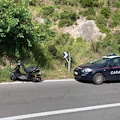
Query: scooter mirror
pixel 19 62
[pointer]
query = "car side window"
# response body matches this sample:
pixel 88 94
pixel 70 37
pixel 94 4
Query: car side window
pixel 115 62
pixel 118 63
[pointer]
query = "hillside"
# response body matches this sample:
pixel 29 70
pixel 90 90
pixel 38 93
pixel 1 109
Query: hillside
pixel 39 31
pixel 66 12
pixel 78 17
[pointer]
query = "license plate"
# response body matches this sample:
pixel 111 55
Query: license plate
pixel 76 73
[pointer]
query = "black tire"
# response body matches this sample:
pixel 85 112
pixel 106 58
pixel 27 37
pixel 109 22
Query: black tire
pixel 98 78
pixel 34 79
pixel 13 77
pixel 39 79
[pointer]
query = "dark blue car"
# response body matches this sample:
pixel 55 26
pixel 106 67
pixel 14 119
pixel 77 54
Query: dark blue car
pixel 100 70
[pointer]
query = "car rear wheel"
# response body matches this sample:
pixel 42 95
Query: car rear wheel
pixel 98 78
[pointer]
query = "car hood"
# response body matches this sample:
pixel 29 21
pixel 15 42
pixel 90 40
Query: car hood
pixel 92 66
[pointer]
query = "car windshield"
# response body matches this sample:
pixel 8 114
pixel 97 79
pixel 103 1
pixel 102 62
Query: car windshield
pixel 99 61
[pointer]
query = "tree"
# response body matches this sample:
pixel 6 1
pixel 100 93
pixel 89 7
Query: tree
pixel 16 27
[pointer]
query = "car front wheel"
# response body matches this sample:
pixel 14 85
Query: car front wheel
pixel 98 78
pixel 13 77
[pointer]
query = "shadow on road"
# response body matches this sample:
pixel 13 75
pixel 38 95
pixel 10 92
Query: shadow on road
pixel 82 81
pixel 106 82
pixel 30 81
pixel 109 82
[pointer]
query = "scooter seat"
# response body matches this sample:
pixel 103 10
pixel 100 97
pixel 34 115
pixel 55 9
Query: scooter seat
pixel 30 69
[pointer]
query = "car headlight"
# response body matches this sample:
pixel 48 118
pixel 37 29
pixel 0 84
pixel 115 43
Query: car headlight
pixel 87 70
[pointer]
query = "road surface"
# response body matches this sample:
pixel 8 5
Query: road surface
pixel 59 100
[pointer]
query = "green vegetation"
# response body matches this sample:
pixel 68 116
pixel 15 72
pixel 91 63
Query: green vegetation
pixel 116 19
pixel 67 18
pixel 66 2
pixel 111 44
pixel 22 37
pixel 106 12
pixel 88 3
pixel 16 28
pixel 114 3
pixel 47 10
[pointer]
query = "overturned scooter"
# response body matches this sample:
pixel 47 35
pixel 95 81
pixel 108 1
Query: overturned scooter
pixel 32 73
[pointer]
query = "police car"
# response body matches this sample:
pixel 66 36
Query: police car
pixel 99 70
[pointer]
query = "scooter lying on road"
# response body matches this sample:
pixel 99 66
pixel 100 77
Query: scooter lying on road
pixel 32 73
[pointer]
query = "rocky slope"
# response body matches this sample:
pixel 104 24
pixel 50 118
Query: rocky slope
pixel 87 29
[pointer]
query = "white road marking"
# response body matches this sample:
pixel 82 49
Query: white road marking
pixel 57 112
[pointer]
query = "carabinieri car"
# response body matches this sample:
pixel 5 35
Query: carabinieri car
pixel 99 70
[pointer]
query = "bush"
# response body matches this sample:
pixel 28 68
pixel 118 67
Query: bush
pixel 66 2
pixel 48 10
pixel 89 11
pixel 5 74
pixel 67 18
pixel 106 12
pixel 72 2
pixel 16 28
pixel 55 16
pixel 87 3
pixel 117 5
pixel 62 2
pixel 114 3
pixel 116 19
pixel 100 4
pixel 62 23
pixel 111 43
pixel 65 22
pixel 90 17
pixel 103 28
pixel 69 23
pixel 80 40
pixel 101 20
pixel 68 15
pixel 101 23
pixel 33 2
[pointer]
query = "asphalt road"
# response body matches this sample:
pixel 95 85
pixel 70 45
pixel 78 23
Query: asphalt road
pixel 60 100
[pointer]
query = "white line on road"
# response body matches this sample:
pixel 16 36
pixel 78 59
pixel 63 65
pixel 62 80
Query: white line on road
pixel 61 112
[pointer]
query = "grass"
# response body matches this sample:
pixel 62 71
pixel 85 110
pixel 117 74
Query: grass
pixel 58 73
pixel 59 69
pixel 50 52
pixel 80 50
pixel 5 74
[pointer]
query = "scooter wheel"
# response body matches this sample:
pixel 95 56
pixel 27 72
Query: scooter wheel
pixel 13 77
pixel 39 79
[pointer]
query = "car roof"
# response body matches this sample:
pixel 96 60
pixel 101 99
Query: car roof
pixel 110 56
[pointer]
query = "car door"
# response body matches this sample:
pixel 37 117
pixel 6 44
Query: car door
pixel 113 70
